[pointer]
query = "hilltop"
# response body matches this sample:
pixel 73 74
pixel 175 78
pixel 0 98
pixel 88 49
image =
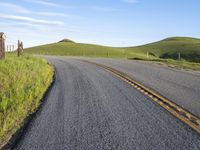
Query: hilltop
pixel 67 40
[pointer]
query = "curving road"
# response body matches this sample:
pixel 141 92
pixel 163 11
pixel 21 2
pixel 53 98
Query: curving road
pixel 181 87
pixel 88 108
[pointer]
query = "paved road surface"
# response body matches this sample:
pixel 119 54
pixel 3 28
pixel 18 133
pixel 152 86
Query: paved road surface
pixel 180 87
pixel 88 108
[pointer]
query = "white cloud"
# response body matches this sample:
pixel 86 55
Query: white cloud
pixel 30 20
pixel 44 2
pixel 131 1
pixel 38 34
pixel 54 14
pixel 11 7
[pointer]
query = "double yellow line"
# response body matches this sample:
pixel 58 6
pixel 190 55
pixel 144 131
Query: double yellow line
pixel 176 110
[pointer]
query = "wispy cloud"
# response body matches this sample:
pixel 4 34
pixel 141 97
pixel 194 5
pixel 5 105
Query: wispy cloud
pixel 44 2
pixel 30 20
pixel 103 9
pixel 12 6
pixel 53 14
pixel 131 1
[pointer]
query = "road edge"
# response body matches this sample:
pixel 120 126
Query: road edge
pixel 176 110
pixel 15 138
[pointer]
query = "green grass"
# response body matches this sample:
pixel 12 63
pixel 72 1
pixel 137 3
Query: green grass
pixel 23 81
pixel 77 49
pixel 167 49
pixel 164 50
pixel 174 63
pixel 183 64
pixel 170 47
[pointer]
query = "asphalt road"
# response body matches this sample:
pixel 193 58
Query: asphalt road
pixel 88 108
pixel 181 87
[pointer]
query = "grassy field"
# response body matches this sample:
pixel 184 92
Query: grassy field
pixel 77 49
pixel 165 51
pixel 23 82
pixel 189 48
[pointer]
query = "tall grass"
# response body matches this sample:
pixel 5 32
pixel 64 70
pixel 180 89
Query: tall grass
pixel 23 81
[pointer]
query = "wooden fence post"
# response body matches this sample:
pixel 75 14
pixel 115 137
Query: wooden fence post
pixel 20 48
pixel 147 55
pixel 2 45
pixel 179 56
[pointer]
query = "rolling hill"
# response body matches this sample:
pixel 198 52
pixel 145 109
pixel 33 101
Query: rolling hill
pixel 70 48
pixel 189 48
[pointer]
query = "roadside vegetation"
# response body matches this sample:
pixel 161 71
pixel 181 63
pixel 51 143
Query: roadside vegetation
pixel 166 51
pixel 174 63
pixel 23 81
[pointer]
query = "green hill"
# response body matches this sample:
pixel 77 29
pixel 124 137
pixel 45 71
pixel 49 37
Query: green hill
pixel 189 48
pixel 70 48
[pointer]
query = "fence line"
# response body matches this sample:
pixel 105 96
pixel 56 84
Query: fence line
pixel 9 48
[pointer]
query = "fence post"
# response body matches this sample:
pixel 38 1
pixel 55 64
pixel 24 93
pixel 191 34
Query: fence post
pixel 179 56
pixel 147 55
pixel 2 45
pixel 20 48
pixel 125 56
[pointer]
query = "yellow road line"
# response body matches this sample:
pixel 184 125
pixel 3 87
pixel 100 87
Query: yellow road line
pixel 176 110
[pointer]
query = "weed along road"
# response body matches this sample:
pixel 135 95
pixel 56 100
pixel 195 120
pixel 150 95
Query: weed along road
pixel 90 108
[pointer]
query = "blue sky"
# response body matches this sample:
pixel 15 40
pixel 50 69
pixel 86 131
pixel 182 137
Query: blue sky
pixel 105 22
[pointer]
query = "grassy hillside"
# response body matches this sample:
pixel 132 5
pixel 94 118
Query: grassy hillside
pixel 189 48
pixel 170 47
pixel 23 82
pixel 64 48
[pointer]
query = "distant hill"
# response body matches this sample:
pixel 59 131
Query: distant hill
pixel 70 48
pixel 167 48
pixel 170 47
